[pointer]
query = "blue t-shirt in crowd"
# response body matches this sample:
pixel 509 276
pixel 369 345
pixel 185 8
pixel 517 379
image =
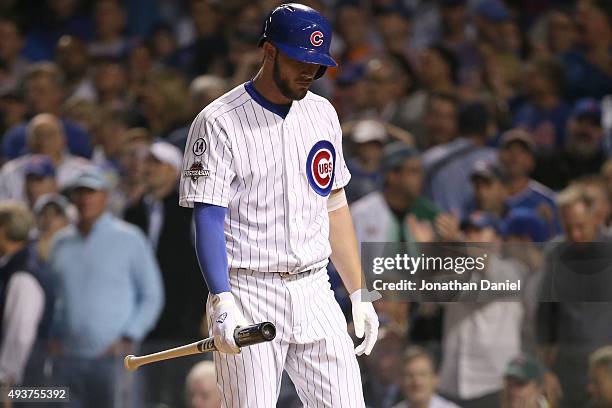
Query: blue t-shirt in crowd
pixel 541 199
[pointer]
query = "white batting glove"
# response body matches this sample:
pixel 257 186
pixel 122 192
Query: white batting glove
pixel 226 317
pixel 365 322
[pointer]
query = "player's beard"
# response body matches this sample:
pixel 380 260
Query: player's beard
pixel 283 85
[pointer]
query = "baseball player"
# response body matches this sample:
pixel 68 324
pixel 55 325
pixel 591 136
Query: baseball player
pixel 265 172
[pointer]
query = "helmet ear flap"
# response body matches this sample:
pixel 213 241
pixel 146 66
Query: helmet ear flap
pixel 320 72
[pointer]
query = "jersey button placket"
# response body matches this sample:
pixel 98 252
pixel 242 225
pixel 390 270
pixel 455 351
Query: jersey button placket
pixel 286 191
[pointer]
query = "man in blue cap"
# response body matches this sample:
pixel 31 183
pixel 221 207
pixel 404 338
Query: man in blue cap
pixel 109 293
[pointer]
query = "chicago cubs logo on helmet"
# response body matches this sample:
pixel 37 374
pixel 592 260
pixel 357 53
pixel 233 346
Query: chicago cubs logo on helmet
pixel 316 38
pixel 320 167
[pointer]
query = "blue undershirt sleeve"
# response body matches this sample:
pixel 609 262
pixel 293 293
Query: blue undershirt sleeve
pixel 210 246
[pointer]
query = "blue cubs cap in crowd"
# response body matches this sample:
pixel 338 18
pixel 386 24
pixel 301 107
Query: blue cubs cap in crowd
pixel 91 177
pixel 300 32
pixel 481 220
pixel 587 108
pixel 39 165
pixel 493 10
pixel 525 222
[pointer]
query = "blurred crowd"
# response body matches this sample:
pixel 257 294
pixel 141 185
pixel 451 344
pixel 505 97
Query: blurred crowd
pixel 464 121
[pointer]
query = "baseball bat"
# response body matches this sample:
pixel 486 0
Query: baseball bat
pixel 244 336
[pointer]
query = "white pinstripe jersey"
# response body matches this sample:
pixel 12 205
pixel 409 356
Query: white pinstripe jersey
pixel 273 174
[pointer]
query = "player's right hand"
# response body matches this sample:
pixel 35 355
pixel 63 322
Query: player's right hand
pixel 226 316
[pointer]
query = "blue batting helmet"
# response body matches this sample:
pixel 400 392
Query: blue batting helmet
pixel 301 33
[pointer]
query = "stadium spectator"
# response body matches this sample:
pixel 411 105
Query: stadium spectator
pixel 92 332
pixel 22 298
pixel 39 178
pixel 202 91
pixel 201 387
pixel 490 192
pixel 588 66
pixel 384 216
pixel 131 185
pixel 109 19
pixel 600 370
pixel 448 166
pixel 524 233
pixel 13 63
pixel 82 112
pixel 459 37
pixel 45 136
pixel 419 381
pixel 163 103
pixel 382 380
pixel 53 212
pixel 517 157
pixel 12 111
pixel 438 69
pixel 140 66
pixel 167 227
pixel 392 95
pixel 55 19
pixel 561 34
pixel 163 43
pixel 543 113
pixel 479 338
pixel 204 55
pixel 393 24
pixel 583 150
pixel 352 26
pixel 43 87
pixel 564 339
pixel 523 387
pixel 368 138
pixel 111 136
pixel 595 188
pixel 72 57
pixel 110 82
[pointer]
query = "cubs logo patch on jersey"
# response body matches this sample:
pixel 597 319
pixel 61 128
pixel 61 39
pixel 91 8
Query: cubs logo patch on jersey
pixel 320 167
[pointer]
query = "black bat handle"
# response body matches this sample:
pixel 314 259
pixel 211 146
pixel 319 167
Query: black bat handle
pixel 244 336
pixel 257 333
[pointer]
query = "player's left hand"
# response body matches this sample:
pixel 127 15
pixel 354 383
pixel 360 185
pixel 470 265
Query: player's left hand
pixel 365 322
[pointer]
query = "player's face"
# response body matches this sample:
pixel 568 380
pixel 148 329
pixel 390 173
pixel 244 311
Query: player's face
pixel 293 78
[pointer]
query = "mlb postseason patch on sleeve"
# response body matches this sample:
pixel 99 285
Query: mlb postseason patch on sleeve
pixel 196 171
